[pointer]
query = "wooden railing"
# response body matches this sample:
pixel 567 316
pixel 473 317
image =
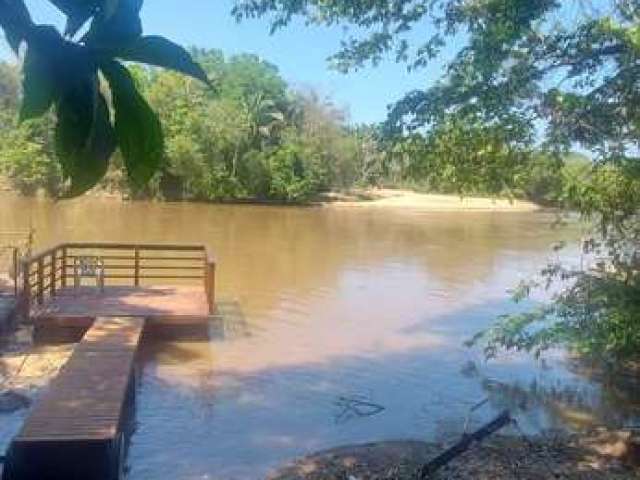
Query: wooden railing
pixel 46 273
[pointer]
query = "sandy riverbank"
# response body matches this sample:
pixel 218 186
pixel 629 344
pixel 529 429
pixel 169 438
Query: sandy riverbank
pixel 410 200
pixel 383 198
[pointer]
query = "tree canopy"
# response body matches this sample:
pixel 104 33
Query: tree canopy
pixel 571 64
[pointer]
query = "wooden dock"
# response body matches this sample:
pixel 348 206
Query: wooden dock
pixel 77 429
pixel 164 284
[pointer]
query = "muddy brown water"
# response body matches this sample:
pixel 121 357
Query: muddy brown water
pixel 338 326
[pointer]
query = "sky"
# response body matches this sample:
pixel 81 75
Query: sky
pixel 299 51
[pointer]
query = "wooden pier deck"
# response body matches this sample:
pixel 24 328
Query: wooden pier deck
pixel 164 284
pixel 76 430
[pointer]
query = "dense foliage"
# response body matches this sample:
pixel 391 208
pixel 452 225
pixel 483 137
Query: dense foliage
pixel 250 138
pixel 254 138
pixel 523 73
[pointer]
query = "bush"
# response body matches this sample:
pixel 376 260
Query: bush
pixel 26 164
pixel 596 310
pixel 255 174
pixel 288 182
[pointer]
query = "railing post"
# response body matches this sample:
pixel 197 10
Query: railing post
pixel 63 273
pixel 210 284
pixel 40 275
pixel 52 272
pixel 16 272
pixel 26 289
pixel 136 266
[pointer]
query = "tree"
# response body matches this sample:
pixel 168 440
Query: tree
pixel 252 139
pixel 328 149
pixel 517 62
pixel 525 76
pixel 61 71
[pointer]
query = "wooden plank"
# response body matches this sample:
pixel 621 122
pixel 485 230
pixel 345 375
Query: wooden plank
pixel 154 302
pixel 82 414
pixel 142 258
pixel 91 386
pixel 185 247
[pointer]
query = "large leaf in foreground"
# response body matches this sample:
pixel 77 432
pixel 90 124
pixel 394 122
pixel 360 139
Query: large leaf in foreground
pixel 53 67
pixel 158 51
pixel 84 137
pixel 38 84
pixel 79 11
pixel 137 127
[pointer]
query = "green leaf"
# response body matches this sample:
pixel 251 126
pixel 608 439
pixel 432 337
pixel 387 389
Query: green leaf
pixel 158 51
pixel 52 68
pixel 119 27
pixel 70 7
pixel 110 7
pixel 75 22
pixel 77 12
pixel 84 137
pixel 38 85
pixel 102 144
pixel 137 127
pixel 15 21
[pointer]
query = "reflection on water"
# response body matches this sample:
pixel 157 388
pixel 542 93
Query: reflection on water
pixel 325 311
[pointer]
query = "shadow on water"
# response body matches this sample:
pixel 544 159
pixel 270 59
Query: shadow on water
pixel 239 419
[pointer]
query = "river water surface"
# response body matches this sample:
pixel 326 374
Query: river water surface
pixel 338 326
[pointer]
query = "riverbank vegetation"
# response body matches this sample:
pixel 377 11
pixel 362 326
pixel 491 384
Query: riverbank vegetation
pixel 253 137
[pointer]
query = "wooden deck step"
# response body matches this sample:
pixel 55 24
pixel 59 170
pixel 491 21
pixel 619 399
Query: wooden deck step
pixel 75 430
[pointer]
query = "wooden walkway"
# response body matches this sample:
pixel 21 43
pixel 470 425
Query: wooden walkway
pixel 77 428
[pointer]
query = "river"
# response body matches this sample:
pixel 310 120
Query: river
pixel 339 326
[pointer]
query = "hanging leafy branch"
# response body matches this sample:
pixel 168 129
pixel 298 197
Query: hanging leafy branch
pixel 576 75
pixel 536 73
pixel 61 71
